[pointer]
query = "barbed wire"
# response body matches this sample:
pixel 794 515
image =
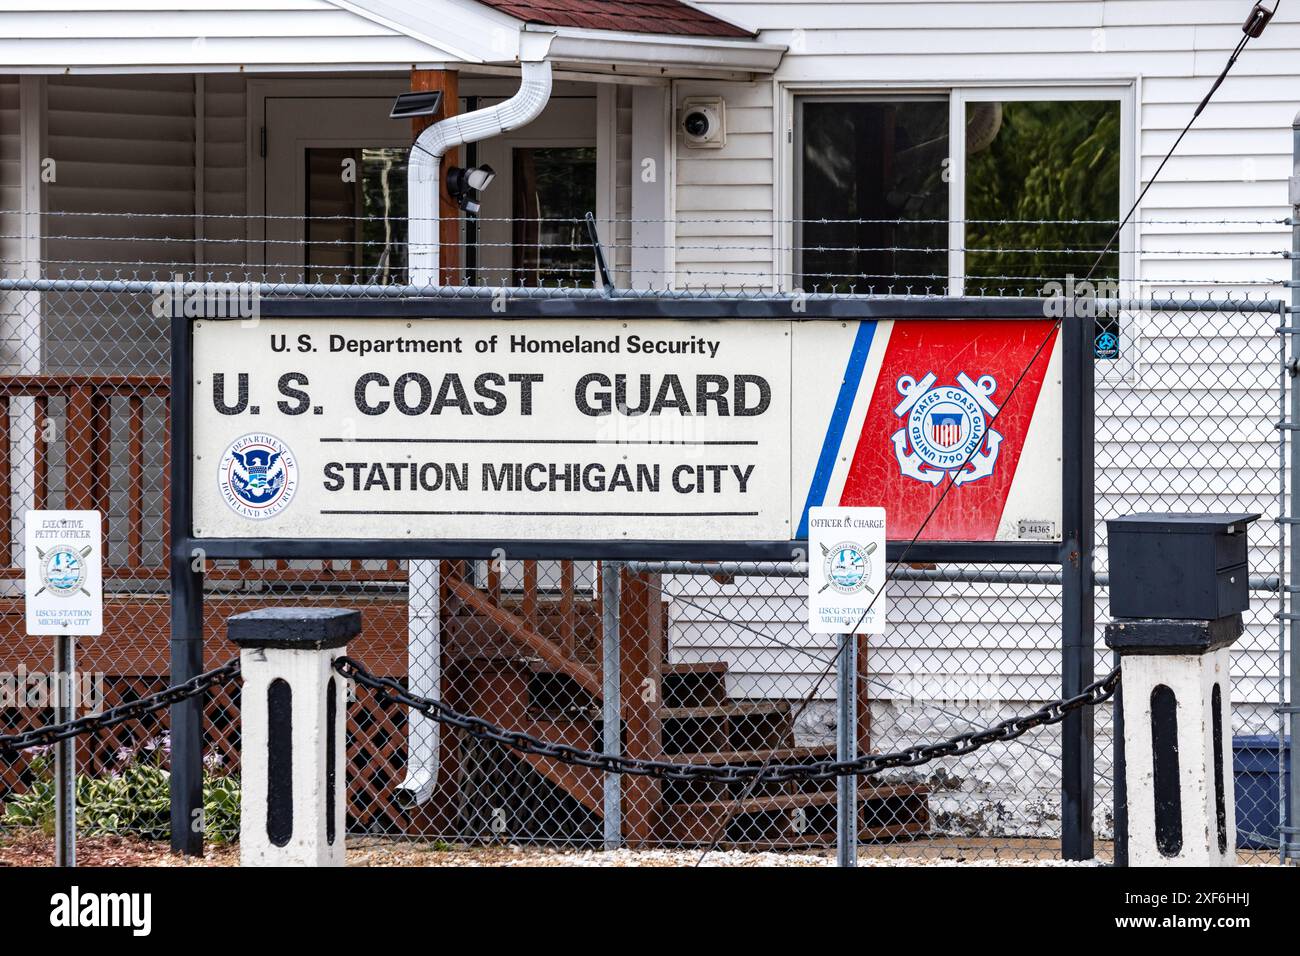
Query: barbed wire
pixel 759 245
pixel 765 278
pixel 578 220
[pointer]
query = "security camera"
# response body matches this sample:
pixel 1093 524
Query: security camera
pixel 704 122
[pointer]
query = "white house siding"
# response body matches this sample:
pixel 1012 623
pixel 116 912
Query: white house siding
pixel 1217 371
pixel 11 223
pixel 163 156
pixel 123 145
pixel 621 253
pixel 725 197
pixel 224 160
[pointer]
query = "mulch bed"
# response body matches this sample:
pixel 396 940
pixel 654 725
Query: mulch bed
pixel 34 848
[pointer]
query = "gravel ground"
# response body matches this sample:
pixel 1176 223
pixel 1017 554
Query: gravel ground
pixel 406 854
pixel 34 848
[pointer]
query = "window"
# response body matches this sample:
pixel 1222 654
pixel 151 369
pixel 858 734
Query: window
pixel 882 163
pixel 367 240
pixel 1048 162
pixel 1031 184
pixel 554 187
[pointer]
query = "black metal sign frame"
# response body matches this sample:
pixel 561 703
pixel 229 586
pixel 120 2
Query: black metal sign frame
pixel 1074 451
pixel 1073 553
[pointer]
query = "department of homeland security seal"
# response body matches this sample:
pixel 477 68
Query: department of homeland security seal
pixel 847 567
pixel 258 476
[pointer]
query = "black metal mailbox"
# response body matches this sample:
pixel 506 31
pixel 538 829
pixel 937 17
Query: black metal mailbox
pixel 1179 566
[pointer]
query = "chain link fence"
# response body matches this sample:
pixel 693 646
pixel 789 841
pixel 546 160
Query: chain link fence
pixel 716 665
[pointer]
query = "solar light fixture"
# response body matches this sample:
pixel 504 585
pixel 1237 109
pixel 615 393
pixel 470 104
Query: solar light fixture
pixel 461 182
pixel 416 103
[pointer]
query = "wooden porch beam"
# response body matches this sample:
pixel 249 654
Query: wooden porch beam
pixel 641 634
pixel 448 83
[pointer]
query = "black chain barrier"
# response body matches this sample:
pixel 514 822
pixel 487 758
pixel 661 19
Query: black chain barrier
pixel 392 692
pixel 131 710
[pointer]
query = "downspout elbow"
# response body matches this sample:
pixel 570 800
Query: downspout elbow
pixel 519 110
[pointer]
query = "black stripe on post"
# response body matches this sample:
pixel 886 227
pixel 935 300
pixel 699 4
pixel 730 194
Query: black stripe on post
pixel 279 762
pixel 331 740
pixel 1220 798
pixel 1164 754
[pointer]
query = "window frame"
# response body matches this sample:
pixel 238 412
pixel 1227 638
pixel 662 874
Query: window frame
pixel 1123 90
pixel 797 121
pixel 957 185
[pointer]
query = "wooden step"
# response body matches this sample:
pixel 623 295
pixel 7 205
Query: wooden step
pixel 704 822
pixel 697 667
pixel 775 756
pixel 507 708
pixel 530 643
pixel 731 709
pixel 697 684
pixel 701 822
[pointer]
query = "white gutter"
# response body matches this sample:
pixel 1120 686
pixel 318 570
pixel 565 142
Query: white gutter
pixel 660 55
pixel 424 584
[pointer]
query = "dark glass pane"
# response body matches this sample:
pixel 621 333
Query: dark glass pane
pixel 873 161
pixel 367 243
pixel 1051 160
pixel 554 188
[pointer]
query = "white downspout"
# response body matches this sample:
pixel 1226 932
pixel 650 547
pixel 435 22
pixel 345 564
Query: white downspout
pixel 424 627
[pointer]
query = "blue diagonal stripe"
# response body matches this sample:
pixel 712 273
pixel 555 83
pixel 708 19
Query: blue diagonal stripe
pixel 839 420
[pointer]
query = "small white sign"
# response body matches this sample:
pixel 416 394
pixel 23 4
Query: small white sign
pixel 846 570
pixel 64 584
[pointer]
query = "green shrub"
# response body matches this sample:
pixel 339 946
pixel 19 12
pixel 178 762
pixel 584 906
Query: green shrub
pixel 133 799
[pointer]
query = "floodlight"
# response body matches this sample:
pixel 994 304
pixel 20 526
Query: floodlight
pixel 461 182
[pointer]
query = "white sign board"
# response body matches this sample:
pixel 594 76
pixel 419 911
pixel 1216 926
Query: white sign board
pixel 598 429
pixel 576 429
pixel 64 584
pixel 846 570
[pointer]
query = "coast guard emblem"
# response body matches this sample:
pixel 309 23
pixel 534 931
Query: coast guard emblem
pixel 258 476
pixel 946 429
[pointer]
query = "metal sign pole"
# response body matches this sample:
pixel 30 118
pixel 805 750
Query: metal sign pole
pixel 63 596
pixel 1289 833
pixel 187 564
pixel 611 691
pixel 1077 596
pixel 65 753
pixel 846 748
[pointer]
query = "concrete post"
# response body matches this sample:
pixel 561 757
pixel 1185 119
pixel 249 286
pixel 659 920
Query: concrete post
pixel 1175 683
pixel 294 731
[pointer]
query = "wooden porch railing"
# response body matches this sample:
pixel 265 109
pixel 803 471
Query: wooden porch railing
pixel 89 406
pixel 86 438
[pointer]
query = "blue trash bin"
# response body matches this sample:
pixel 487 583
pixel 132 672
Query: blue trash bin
pixel 1254 767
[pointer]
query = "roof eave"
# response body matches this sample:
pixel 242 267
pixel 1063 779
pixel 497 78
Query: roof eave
pixel 646 54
